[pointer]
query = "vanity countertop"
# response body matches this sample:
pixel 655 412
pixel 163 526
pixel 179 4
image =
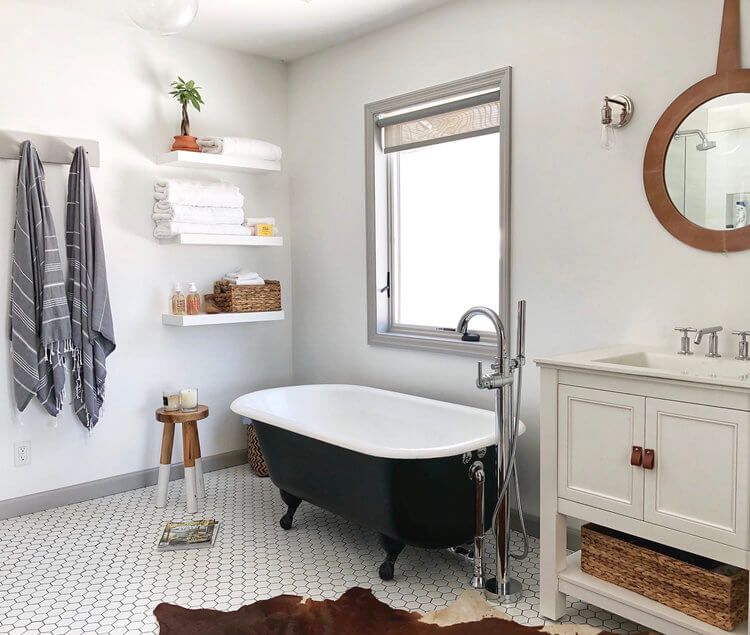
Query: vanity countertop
pixel 649 362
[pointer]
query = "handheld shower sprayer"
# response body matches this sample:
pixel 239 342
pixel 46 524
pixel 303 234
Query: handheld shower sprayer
pixel 507 426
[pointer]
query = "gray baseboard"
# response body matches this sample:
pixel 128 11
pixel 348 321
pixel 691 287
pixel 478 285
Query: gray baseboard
pixel 108 486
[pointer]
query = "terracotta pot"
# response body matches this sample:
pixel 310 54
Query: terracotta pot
pixel 185 143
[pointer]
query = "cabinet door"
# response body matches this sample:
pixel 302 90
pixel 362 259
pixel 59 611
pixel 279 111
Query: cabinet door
pixel 699 483
pixel 596 434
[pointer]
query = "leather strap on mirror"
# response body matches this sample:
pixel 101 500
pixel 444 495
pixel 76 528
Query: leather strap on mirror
pixel 648 459
pixel 636 456
pixel 729 44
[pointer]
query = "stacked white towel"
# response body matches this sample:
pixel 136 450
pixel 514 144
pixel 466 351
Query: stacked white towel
pixel 240 147
pixel 244 277
pixel 198 207
pixel 200 193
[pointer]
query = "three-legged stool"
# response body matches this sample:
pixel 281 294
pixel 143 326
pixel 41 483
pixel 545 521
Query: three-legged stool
pixel 194 487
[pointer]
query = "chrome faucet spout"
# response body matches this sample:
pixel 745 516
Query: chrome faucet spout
pixel 706 331
pixel 713 339
pixel 502 351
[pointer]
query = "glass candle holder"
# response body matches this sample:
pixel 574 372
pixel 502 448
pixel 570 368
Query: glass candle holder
pixel 171 400
pixel 189 399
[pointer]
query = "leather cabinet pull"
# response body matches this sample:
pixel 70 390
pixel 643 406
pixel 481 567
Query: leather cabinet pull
pixel 649 456
pixel 636 456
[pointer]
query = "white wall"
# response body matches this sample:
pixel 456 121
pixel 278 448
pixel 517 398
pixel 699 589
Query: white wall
pixel 589 256
pixel 66 74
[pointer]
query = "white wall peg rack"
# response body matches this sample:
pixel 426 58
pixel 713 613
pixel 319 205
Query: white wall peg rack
pixel 51 148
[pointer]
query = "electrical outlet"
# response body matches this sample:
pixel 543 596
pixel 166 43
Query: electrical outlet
pixel 22 450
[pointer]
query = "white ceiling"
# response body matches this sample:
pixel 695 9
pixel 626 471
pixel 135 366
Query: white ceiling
pixel 281 29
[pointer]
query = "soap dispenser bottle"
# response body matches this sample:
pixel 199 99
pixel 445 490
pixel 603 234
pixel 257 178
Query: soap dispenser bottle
pixel 178 300
pixel 193 300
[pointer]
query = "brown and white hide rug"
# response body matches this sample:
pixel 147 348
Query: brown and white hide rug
pixel 356 612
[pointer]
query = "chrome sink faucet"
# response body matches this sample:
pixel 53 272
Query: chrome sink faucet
pixel 713 339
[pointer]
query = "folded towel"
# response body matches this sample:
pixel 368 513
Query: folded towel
pixel 201 215
pixel 198 193
pixel 255 282
pixel 244 277
pixel 168 229
pixel 242 273
pixel 252 222
pixel 240 146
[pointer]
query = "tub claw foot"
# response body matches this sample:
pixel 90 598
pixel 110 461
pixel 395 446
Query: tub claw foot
pixel 386 571
pixel 292 503
pixel 392 550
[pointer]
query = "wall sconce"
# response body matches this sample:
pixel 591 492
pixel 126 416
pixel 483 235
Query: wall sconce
pixel 610 120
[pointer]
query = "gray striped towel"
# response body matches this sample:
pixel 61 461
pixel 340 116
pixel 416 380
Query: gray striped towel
pixel 39 320
pixel 88 294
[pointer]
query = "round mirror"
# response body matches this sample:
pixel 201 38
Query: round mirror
pixel 707 164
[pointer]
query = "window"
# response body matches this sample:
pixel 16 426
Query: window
pixel 437 203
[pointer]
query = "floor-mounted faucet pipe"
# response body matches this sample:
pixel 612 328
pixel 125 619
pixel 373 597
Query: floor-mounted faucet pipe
pixel 477 473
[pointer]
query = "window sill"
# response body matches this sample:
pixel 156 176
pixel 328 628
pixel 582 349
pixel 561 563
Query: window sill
pixel 434 344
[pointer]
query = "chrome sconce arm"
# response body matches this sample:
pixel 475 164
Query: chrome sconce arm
pixel 610 122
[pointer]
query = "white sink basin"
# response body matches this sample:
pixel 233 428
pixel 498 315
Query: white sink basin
pixel 685 365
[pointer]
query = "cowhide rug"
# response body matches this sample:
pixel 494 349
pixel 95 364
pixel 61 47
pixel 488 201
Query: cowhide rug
pixel 356 612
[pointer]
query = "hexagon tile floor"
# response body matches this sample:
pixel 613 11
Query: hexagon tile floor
pixel 92 567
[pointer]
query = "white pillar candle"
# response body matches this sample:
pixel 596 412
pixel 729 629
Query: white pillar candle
pixel 189 398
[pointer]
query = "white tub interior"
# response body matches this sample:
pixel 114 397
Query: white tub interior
pixel 372 421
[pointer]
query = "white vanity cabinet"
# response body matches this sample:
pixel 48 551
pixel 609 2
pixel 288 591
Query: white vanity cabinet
pixel 664 458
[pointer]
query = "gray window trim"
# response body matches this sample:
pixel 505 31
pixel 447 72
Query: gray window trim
pixel 379 329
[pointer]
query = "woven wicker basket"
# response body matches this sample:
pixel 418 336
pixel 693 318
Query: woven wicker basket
pixel 235 298
pixel 704 589
pixel 254 454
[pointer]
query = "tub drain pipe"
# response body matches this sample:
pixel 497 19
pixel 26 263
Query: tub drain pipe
pixel 477 474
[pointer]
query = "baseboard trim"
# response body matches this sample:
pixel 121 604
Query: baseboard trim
pixel 107 486
pixel 532 527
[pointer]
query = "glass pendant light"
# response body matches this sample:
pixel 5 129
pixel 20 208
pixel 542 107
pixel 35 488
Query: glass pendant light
pixel 165 17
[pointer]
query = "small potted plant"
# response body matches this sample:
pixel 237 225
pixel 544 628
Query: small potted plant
pixel 187 94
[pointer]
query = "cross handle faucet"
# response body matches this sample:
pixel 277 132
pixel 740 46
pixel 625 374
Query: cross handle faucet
pixel 685 339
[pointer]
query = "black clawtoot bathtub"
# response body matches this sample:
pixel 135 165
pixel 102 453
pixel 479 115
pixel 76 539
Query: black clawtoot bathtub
pixel 395 463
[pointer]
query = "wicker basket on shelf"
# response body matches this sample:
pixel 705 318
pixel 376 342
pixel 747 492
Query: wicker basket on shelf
pixel 236 298
pixel 704 589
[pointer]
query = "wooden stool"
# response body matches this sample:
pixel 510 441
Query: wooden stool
pixel 194 487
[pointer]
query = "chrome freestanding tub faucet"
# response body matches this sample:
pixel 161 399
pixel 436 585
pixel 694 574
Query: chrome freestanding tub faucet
pixel 501 380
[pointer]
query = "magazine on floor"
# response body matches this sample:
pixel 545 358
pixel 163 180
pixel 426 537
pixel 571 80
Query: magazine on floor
pixel 194 534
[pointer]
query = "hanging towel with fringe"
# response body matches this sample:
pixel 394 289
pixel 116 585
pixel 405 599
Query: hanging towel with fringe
pixel 40 333
pixel 88 294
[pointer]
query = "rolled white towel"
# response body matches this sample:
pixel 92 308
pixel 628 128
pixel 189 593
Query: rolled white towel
pixel 198 193
pixel 240 146
pixel 201 215
pixel 169 229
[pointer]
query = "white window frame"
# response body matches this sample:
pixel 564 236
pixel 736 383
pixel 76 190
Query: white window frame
pixel 381 329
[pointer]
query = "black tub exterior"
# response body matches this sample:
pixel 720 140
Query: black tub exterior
pixel 425 503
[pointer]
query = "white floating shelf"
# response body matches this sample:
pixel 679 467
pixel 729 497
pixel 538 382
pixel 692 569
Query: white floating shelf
pixel 219 239
pixel 185 159
pixel 205 319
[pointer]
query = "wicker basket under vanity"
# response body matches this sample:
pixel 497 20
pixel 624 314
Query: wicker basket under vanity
pixel 237 298
pixel 704 589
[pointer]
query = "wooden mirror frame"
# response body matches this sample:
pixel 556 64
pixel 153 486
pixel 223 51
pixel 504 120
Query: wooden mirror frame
pixel 730 77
